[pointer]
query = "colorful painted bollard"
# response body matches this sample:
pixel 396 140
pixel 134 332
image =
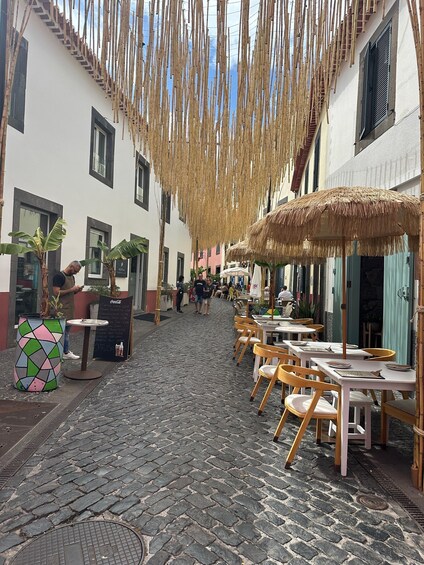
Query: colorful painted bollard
pixel 39 351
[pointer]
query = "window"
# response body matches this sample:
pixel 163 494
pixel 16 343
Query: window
pixel 218 249
pixel 142 182
pixel 200 254
pixel 165 265
pixel 209 252
pixel 317 150
pixel 17 95
pixel 166 201
pixel 102 148
pixel 180 264
pixel 96 231
pixel 376 95
pixel 218 270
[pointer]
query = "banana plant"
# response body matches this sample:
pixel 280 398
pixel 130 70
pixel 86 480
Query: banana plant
pixel 122 250
pixel 40 245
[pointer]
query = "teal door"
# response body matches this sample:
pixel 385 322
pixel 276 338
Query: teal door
pixel 397 305
pixel 337 300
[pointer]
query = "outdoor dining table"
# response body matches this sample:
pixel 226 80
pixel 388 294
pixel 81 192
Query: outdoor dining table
pixel 359 376
pixel 296 329
pixel 311 349
pixel 85 374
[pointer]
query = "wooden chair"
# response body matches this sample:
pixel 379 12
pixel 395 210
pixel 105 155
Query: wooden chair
pixel 268 372
pixel 379 354
pixel 402 409
pixel 307 406
pixel 317 329
pixel 248 337
pixel 242 320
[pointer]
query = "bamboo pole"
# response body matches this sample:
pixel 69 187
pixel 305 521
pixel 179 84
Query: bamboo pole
pixel 162 223
pixel 416 13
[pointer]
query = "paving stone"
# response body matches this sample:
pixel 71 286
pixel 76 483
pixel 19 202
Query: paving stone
pixel 10 541
pixel 252 552
pixel 85 501
pixel 222 515
pixel 200 535
pixel 228 557
pixel 228 536
pixel 201 554
pixel 103 504
pixel 62 516
pixel 159 558
pixel 36 528
pixel 275 550
pixel 45 510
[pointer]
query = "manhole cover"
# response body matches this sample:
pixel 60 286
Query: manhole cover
pixel 85 543
pixel 372 502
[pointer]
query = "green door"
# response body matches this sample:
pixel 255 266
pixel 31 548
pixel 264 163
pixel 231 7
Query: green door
pixel 397 305
pixel 337 300
pixel 353 269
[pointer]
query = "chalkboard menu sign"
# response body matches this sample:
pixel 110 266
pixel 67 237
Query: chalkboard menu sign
pixel 113 342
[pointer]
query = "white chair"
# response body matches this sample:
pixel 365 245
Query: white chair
pixel 358 401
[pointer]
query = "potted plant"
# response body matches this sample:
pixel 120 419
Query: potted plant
pixel 98 291
pixel 39 336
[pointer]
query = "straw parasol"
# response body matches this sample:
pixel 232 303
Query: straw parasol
pixel 336 220
pixel 272 257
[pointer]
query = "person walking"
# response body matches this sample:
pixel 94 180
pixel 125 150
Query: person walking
pixel 199 285
pixel 64 288
pixel 207 296
pixel 180 293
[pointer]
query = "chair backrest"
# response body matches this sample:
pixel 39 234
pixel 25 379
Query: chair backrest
pixel 270 352
pixel 380 354
pixel 244 320
pixel 297 377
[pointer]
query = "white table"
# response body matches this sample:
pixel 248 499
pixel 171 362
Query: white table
pixel 305 355
pixel 393 380
pixel 296 329
pixel 85 374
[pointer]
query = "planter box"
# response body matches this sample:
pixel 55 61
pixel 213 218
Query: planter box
pixel 165 303
pixel 39 352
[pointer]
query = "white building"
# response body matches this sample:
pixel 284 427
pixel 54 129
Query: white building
pixel 370 137
pixel 65 157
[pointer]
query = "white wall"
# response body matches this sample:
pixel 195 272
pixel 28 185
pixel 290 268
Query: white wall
pixel 393 158
pixel 51 160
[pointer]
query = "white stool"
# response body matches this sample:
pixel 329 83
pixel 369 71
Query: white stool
pixel 357 401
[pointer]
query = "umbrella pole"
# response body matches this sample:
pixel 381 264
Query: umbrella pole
pixel 343 304
pixel 272 291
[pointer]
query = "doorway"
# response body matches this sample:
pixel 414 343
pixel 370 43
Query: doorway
pixel 137 284
pixel 27 296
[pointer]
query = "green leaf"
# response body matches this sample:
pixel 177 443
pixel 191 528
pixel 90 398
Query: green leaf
pixel 12 249
pixel 128 249
pixel 55 237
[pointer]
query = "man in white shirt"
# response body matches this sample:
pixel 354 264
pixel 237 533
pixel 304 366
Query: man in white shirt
pixel 285 294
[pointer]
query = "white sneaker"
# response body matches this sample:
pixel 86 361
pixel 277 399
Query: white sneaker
pixel 70 355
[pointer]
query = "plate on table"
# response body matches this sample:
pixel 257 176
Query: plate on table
pixel 398 367
pixel 299 343
pixel 339 365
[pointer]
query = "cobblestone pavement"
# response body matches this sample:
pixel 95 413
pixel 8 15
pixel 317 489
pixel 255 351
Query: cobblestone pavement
pixel 171 445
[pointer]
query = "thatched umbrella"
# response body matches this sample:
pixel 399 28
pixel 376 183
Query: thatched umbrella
pixel 272 257
pixel 337 219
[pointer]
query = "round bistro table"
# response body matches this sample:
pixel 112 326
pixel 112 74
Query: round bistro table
pixel 85 374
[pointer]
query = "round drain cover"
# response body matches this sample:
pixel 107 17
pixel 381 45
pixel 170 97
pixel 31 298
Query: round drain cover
pixel 91 543
pixel 372 502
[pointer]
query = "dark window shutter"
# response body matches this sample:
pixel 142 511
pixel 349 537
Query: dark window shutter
pixel 366 94
pixel 17 95
pixel 381 77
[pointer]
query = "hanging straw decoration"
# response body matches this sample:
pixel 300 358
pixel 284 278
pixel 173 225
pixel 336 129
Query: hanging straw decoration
pixel 219 110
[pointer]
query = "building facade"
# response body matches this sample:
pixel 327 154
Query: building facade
pixel 369 136
pixel 66 157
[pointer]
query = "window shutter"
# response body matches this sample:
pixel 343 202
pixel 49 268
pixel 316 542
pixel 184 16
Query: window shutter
pixel 366 95
pixel 17 95
pixel 381 77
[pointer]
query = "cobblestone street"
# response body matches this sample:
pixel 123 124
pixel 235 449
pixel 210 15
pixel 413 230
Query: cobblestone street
pixel 170 445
